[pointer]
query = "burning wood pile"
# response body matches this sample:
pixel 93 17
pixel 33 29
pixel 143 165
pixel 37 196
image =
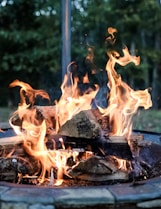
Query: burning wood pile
pixel 76 138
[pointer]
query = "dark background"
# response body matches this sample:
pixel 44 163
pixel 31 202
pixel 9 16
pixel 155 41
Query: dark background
pixel 31 43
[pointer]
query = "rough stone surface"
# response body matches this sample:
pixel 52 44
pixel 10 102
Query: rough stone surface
pixel 13 206
pixel 34 197
pixel 3 189
pixel 150 204
pixel 129 193
pixel 30 195
pixel 82 196
pixel 39 206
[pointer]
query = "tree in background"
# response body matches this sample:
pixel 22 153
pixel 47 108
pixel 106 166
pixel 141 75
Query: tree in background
pixel 138 25
pixel 30 43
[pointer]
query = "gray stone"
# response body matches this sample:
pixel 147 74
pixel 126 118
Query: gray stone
pixel 13 205
pixel 30 195
pixel 127 193
pixel 3 189
pixel 38 206
pixel 85 196
pixel 150 204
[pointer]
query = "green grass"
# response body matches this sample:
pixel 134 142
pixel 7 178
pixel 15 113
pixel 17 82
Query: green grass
pixel 147 120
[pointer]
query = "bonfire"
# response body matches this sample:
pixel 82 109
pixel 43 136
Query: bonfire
pixel 76 138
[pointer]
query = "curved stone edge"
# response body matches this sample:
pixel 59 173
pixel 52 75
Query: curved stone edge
pixel 31 197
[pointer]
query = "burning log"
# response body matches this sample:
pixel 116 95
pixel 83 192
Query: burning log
pixel 11 167
pixel 72 118
pixel 82 125
pixel 49 114
pixel 14 161
pixel 97 168
pixel 22 165
pixel 11 140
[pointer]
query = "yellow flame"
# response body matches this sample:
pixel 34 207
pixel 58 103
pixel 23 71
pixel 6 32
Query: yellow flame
pixel 71 102
pixel 123 101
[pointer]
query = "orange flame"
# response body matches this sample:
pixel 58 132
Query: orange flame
pixel 71 102
pixel 27 91
pixel 123 101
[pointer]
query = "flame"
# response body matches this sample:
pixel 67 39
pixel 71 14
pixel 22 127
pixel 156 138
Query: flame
pixel 33 131
pixel 27 91
pixel 111 38
pixel 123 103
pixel 72 99
pixel 123 165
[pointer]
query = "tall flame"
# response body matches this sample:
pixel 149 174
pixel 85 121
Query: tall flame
pixel 72 101
pixel 123 101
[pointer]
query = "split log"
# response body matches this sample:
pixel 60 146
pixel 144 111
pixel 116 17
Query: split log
pixel 117 146
pixel 14 160
pixel 115 177
pixel 97 169
pixel 23 165
pixel 11 146
pixel 9 176
pixel 49 114
pixel 82 125
pixel 120 147
pixel 11 140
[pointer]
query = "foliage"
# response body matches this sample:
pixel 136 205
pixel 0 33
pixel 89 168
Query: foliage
pixel 138 25
pixel 30 40
pixel 147 120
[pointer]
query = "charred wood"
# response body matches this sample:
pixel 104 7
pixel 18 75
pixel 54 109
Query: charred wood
pixel 13 166
pixel 97 169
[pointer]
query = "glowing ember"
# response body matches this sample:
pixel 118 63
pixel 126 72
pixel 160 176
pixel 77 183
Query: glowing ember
pixel 123 103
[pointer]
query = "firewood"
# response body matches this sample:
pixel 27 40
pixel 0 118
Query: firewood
pixel 117 139
pixel 9 176
pixel 11 149
pixel 103 121
pixel 41 113
pixel 117 176
pixel 23 165
pixel 11 140
pixel 85 124
pixel 49 114
pixel 97 169
pixel 82 125
pixel 113 145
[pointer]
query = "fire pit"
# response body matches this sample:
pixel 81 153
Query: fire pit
pixel 141 194
pixel 79 152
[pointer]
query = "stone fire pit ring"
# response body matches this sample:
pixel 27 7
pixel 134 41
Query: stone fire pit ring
pixel 143 194
pixel 147 194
